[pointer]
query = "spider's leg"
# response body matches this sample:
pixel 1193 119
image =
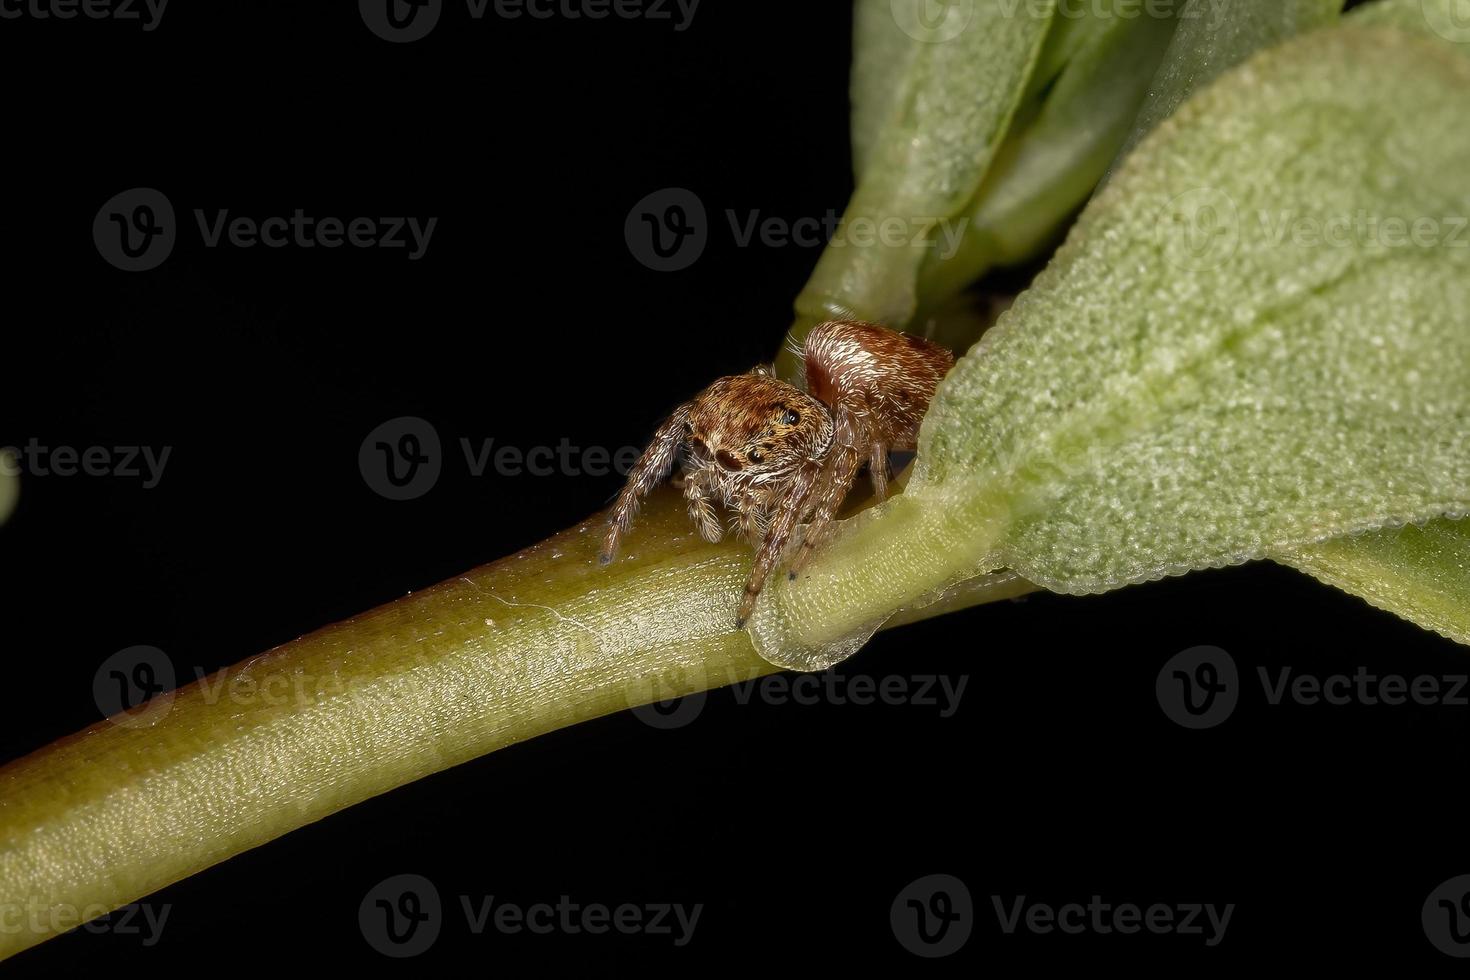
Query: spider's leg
pixel 878 470
pixel 702 510
pixel 754 524
pixel 783 522
pixel 843 461
pixel 646 474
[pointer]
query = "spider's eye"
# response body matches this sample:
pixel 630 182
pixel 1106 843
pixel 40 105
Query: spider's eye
pixel 755 456
pixel 790 417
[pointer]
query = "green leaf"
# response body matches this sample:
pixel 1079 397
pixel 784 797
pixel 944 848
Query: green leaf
pixel 1216 35
pixel 1094 73
pixel 952 83
pixel 1419 573
pixel 881 54
pixel 1239 351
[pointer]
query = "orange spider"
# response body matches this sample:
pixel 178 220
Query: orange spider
pixel 776 456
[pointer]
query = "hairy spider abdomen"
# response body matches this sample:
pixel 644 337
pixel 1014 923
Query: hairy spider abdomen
pixel 887 377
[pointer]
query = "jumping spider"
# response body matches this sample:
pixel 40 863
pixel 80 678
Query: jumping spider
pixel 776 455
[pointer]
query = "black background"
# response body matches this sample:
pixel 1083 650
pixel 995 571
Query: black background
pixel 529 321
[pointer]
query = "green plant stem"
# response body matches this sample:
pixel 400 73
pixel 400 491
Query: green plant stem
pixel 535 642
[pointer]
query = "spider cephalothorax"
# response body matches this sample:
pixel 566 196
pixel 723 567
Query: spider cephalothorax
pixel 775 455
